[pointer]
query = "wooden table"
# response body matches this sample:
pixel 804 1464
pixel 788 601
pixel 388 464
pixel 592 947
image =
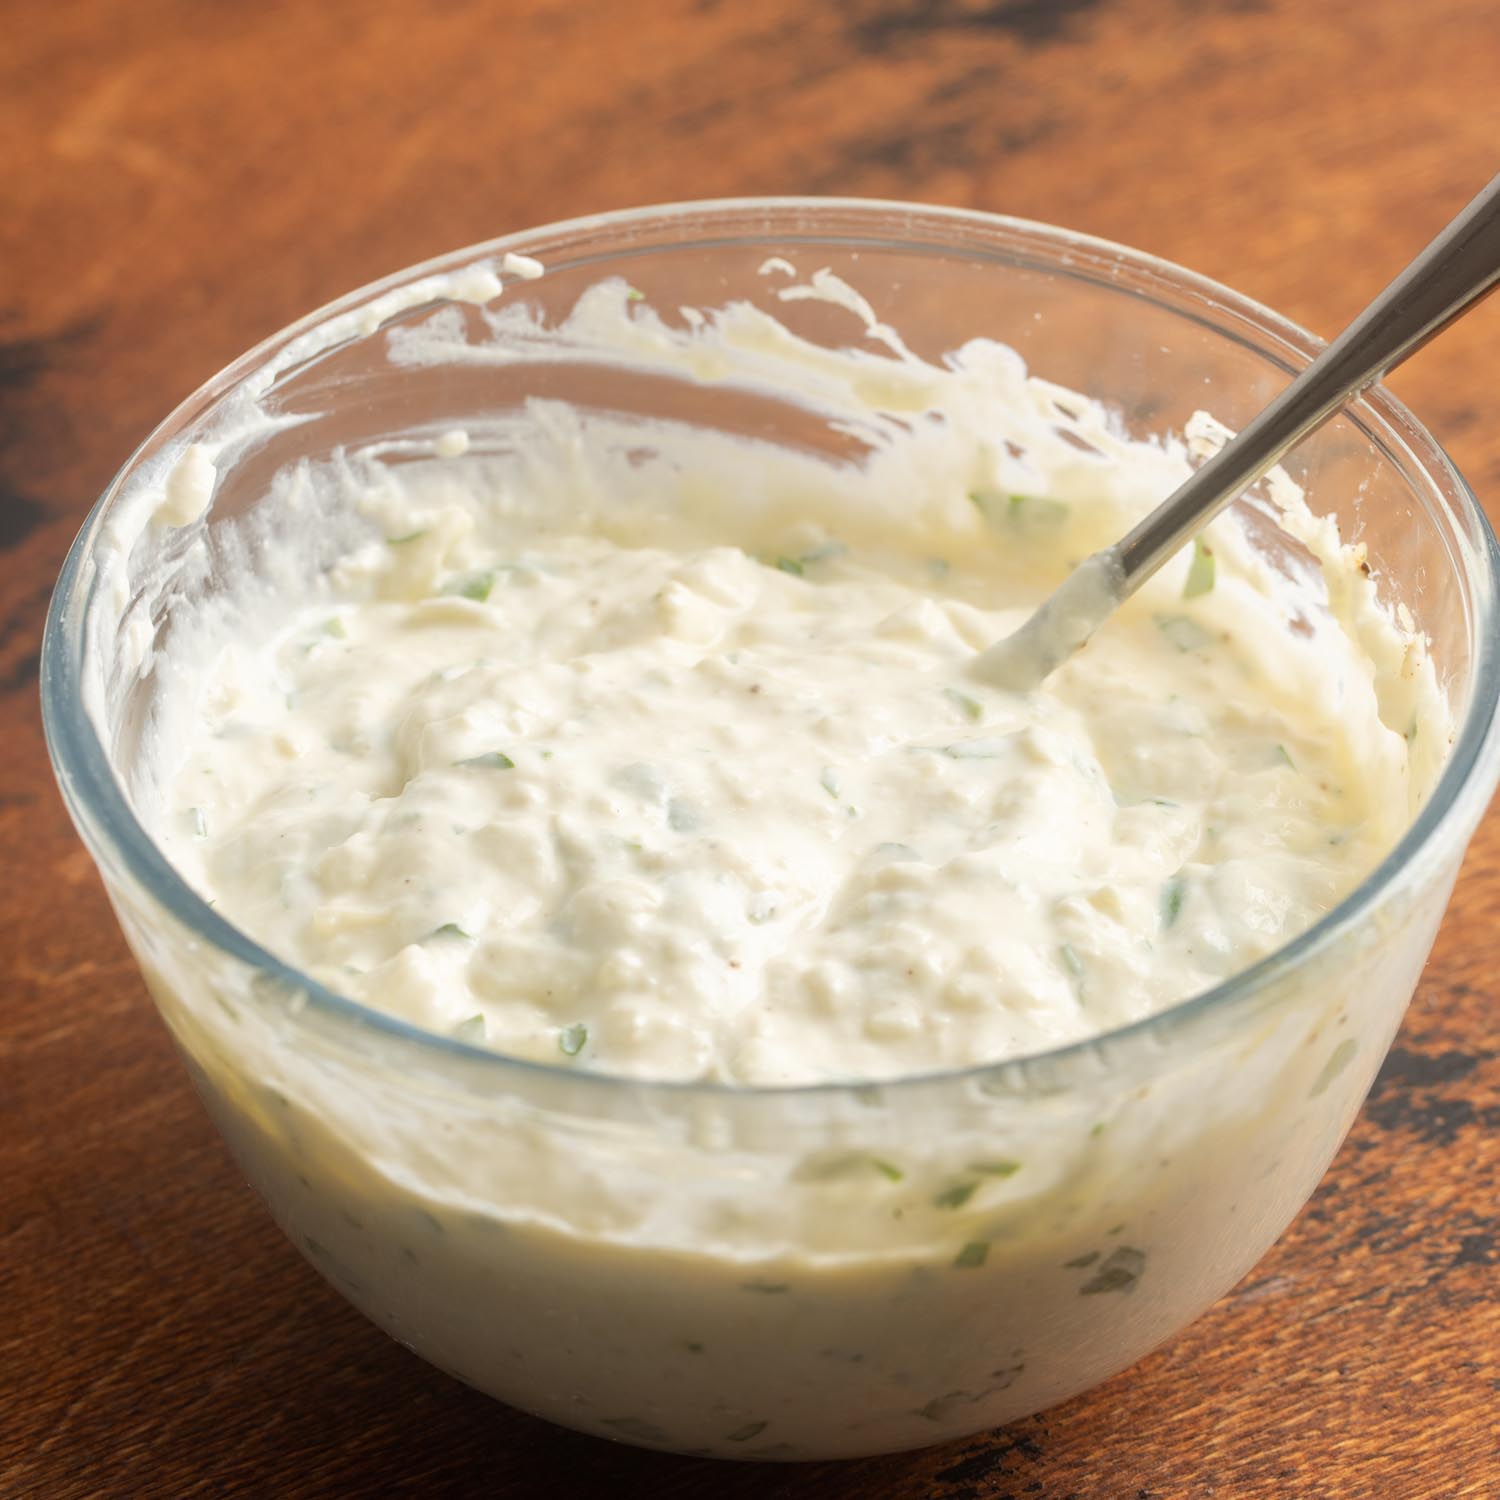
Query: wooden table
pixel 178 180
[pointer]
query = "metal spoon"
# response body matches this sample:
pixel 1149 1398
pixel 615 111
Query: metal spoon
pixel 1454 272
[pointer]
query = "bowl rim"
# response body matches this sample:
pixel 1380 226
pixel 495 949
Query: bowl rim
pixel 109 827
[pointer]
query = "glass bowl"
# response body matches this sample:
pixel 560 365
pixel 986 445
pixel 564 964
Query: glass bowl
pixel 808 1272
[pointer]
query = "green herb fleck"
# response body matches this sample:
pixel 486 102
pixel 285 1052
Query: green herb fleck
pixel 1284 758
pixel 1026 512
pixel 955 1196
pixel 972 1256
pixel 998 1167
pixel 1073 964
pixel 971 708
pixel 975 750
pixel 570 1039
pixel 1119 1272
pixel 475 586
pixel 887 1169
pixel 491 760
pixel 634 1427
pixel 401 541
pixel 634 294
pixel 1338 1060
pixel 1080 1261
pixel 1036 510
pixel 790 565
pixel 448 930
pixel 748 1431
pixel 1411 731
pixel 768 1287
pixel 823 552
pixel 471 1030
pixel 1200 575
pixel 1172 892
pixel 1185 634
pixel 1098 1128
pixel 335 627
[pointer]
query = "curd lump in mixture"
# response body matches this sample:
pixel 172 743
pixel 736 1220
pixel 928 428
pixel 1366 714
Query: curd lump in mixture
pixel 659 753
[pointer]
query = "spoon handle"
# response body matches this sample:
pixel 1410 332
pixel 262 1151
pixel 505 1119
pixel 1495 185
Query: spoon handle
pixel 1458 268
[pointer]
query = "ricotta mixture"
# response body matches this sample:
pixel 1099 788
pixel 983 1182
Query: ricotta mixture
pixel 656 749
pixel 697 792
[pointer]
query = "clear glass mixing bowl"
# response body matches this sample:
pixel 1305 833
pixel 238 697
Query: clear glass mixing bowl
pixel 776 1273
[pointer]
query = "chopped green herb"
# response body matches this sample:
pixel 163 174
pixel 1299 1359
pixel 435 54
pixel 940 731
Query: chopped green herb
pixel 471 1030
pixel 790 565
pixel 401 541
pixel 975 750
pixel 830 1166
pixel 769 1287
pixel 491 760
pixel 971 708
pixel 1080 1261
pixel 1284 758
pixel 1411 731
pixel 972 1256
pixel 1119 1272
pixel 955 1196
pixel 748 1431
pixel 1185 634
pixel 335 627
pixel 1037 510
pixel 570 1039
pixel 1163 802
pixel 829 779
pixel 634 1427
pixel 1073 964
pixel 448 930
pixel 999 1167
pixel 1340 1059
pixel 1172 892
pixel 634 294
pixel 1200 575
pixel 1027 512
pixel 1098 1128
pixel 823 552
pixel 475 586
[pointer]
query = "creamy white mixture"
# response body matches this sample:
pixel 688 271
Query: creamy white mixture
pixel 712 797
pixel 690 811
pixel 652 751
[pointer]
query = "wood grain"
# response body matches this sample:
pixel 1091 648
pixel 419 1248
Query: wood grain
pixel 179 179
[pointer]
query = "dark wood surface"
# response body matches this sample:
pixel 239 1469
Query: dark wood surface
pixel 178 179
